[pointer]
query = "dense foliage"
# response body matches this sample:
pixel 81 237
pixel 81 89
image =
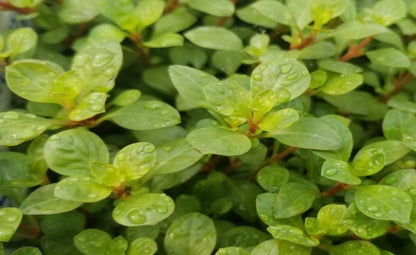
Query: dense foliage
pixel 200 127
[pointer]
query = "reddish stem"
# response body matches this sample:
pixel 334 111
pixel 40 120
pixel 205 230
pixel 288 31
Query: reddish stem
pixel 399 83
pixel 305 42
pixel 30 230
pixel 141 50
pixel 9 7
pixel 212 164
pixel 335 189
pixel 171 6
pixel 252 128
pixel 234 163
pixel 222 20
pixel 355 51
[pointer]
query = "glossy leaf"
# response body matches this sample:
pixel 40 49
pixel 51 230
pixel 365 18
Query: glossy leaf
pixel 292 234
pixel 216 38
pixel 275 246
pixel 106 174
pixel 126 97
pixel 325 10
pixel 354 247
pixel 404 179
pixel 72 14
pixel 81 189
pixel 356 30
pixel 173 22
pixel 21 40
pixel 192 233
pixel 272 177
pixel 106 32
pixel 243 236
pixel 89 106
pixel 145 209
pixel 145 115
pixel 164 41
pixel 389 57
pixel 265 211
pixel 339 85
pixel 221 8
pixel 43 201
pixel 10 218
pixel 330 216
pixel 397 125
pixel 27 251
pixel 142 246
pixel 280 119
pixel 318 51
pixel 70 152
pixel 274 10
pixel 92 241
pixel 368 162
pixel 387 12
pixel 217 140
pixel 148 12
pixel 338 170
pixel 232 251
pixel 383 202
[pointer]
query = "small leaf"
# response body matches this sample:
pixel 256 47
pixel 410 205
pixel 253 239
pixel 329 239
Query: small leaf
pixel 89 106
pixel 265 211
pixel 135 160
pixel 164 41
pixel 318 50
pixel 221 8
pixel 251 15
pixel 325 10
pixel 146 115
pixel 274 10
pixel 338 170
pixel 81 189
pixel 43 201
pixel 21 40
pixel 70 12
pixel 383 203
pixel 126 97
pixel 272 177
pixel 397 125
pixel 339 85
pixel 356 30
pixel 292 234
pixel 310 133
pixel 216 38
pixel 404 179
pixel 121 12
pixel 232 251
pixel 353 248
pixel 106 32
pixel 27 251
pixel 387 12
pixel 343 68
pixel 275 246
pixel 10 218
pixel 70 152
pixel 106 174
pixel 18 127
pixel 389 57
pixel 148 12
pixel 368 162
pixel 142 246
pixel 16 171
pixel 279 119
pixel 192 233
pixel 330 216
pixel 176 21
pixel 92 241
pixel 217 140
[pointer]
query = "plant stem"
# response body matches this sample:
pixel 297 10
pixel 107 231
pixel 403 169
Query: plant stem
pixel 173 4
pixel 355 51
pixel 9 7
pixel 211 164
pixel 399 83
pixel 222 20
pixel 141 50
pixel 335 189
pixel 305 42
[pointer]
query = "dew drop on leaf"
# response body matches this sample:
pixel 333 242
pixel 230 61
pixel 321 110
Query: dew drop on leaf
pixel 135 217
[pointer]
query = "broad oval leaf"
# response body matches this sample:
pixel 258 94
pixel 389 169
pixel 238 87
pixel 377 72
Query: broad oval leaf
pixel 10 218
pixel 275 246
pixel 145 209
pixel 383 202
pixel 146 115
pixel 89 106
pixel 135 160
pixel 354 247
pixel 70 12
pixel 217 140
pixel 340 171
pixel 368 162
pixel 356 30
pixel 339 85
pixel 216 38
pixel 232 251
pixel 292 234
pixel 70 152
pixel 272 177
pixel 21 40
pixel 142 246
pixel 279 119
pixel 274 10
pixel 92 241
pixel 398 124
pixel 27 251
pixel 330 217
pixel 309 133
pixel 221 8
pixel 389 57
pixel 192 233
pixel 43 201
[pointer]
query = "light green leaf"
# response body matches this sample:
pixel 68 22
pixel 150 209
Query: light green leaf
pixel 106 32
pixel 192 233
pixel 175 156
pixel 121 12
pixel 43 201
pixel 146 209
pixel 383 202
pixel 221 8
pixel 227 61
pixel 71 13
pixel 89 106
pixel 393 150
pixel 18 127
pixel 310 133
pixel 27 251
pixel 25 3
pixel 287 75
pixel 217 140
pixel 190 83
pixel 126 97
pixel 353 248
pixel 92 241
pixel 81 189
pixel 164 41
pixel 318 50
pixel 135 160
pixel 388 12
pixel 16 171
pixel 10 218
pixel 216 38
pixel 98 64
pixel 292 234
pixel 325 10
pixel 232 251
pixel 302 16
pixel 280 119
pixel 243 195
pixel 251 15
pixel 368 162
pixel 21 40
pixel 174 22
pixel 106 174
pixel 397 125
pixel 356 30
pixel 389 57
pixel 146 115
pixel 338 85
pixel 274 10
pixel 338 170
pixel 343 68
pixel 142 245
pixel 264 209
pixel 318 78
pixel 404 179
pixel 272 177
pixel 148 12
pixel 293 199
pixel 70 152
pixel 275 246
pixel 330 216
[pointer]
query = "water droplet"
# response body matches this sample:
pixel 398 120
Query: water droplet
pixel 81 239
pixel 136 217
pixel 285 68
pixel 149 148
pixel 412 191
pixel 378 215
pixel 373 208
pixel 121 156
pixel 258 76
pixel 10 115
pixel 92 195
pixel 292 77
pixel 296 231
pixel 101 60
pixel 11 219
pixel 331 171
pixel 161 209
pixel 152 105
pixel 164 113
pixel 305 73
pixel 390 180
pixel 225 109
pixel 262 67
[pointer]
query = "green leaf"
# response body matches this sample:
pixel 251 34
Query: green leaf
pixel 190 83
pixel 121 12
pixel 173 22
pixel 330 216
pixel 338 85
pixel 175 156
pixel 309 133
pixel 404 179
pixel 71 222
pixel 272 177
pixel 126 97
pixel 318 50
pixel 192 233
pixel 388 12
pixel 356 30
pixel 275 246
pixel 70 12
pixel 397 125
pixel 10 218
pixel 343 68
pixel 251 15
pixel 117 245
pixel 280 119
pixel 292 234
pixel 354 247
pixel 106 174
pixel 227 61
pixel 217 140
pixel 265 211
pixel 21 40
pixel 274 10
pixel 243 195
pixel 146 115
pixel 232 251
pixel 164 41
pixel 293 199
pixel 27 251
pixel 16 171
pixel 221 8
pixel 145 209
pixel 287 75
pixel 302 16
pixel 216 38
pixel 338 170
pixel 92 241
pixel 325 10
pixel 43 201
pixel 89 106
pixel 25 3
pixel 98 64
pixel 81 189
pixel 142 245
pixel 383 203
pixel 148 12
pixel 135 160
pixel 106 32
pixel 18 127
pixel 389 57
pixel 362 225
pixel 368 162
pixel 70 152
